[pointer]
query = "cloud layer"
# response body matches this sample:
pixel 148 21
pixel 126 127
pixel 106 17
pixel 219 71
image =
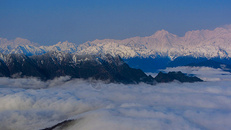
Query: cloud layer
pixel 96 105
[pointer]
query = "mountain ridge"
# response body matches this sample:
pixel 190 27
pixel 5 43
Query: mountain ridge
pixel 196 43
pixel 56 64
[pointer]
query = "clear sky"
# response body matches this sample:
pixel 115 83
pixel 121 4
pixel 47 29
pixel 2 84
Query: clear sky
pixel 49 21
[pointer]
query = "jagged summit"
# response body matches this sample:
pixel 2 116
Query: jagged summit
pixel 61 46
pixel 160 33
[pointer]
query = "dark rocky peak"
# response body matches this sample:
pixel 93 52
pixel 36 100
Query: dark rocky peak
pixel 18 66
pixel 54 57
pixel 15 58
pixel 171 76
pixel 117 60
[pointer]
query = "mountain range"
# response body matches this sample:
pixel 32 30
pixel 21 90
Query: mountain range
pixel 158 51
pixel 199 43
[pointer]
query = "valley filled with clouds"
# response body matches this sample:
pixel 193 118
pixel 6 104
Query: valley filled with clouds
pixel 34 104
pixel 86 65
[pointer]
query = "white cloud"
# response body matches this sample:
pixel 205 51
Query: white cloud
pixel 205 73
pixel 204 105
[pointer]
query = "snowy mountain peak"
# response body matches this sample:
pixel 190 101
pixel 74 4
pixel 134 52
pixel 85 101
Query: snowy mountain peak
pixel 65 43
pixel 61 46
pixel 21 41
pixel 161 33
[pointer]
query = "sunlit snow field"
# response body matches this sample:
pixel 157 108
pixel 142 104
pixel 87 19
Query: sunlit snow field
pixel 32 104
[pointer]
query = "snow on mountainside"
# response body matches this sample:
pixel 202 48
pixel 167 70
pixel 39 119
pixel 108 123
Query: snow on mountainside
pixel 199 43
pixel 19 45
pixel 61 46
pixel 24 46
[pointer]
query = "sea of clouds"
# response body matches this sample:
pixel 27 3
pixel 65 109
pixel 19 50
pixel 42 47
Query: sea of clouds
pixel 28 104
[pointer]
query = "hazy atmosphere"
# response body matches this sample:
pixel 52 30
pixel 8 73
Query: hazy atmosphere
pixel 115 64
pixel 48 22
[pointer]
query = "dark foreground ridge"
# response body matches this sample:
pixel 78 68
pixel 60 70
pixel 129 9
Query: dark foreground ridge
pixel 97 67
pixel 171 76
pixel 62 125
pixel 55 64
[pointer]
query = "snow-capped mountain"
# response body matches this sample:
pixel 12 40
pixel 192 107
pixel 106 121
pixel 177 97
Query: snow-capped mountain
pixel 199 43
pixel 61 46
pixel 19 45
pixel 26 47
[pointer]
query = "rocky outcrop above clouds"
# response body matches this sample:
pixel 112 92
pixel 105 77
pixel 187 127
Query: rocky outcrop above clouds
pixel 55 64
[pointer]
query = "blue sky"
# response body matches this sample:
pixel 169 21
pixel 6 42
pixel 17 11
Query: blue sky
pixel 49 21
